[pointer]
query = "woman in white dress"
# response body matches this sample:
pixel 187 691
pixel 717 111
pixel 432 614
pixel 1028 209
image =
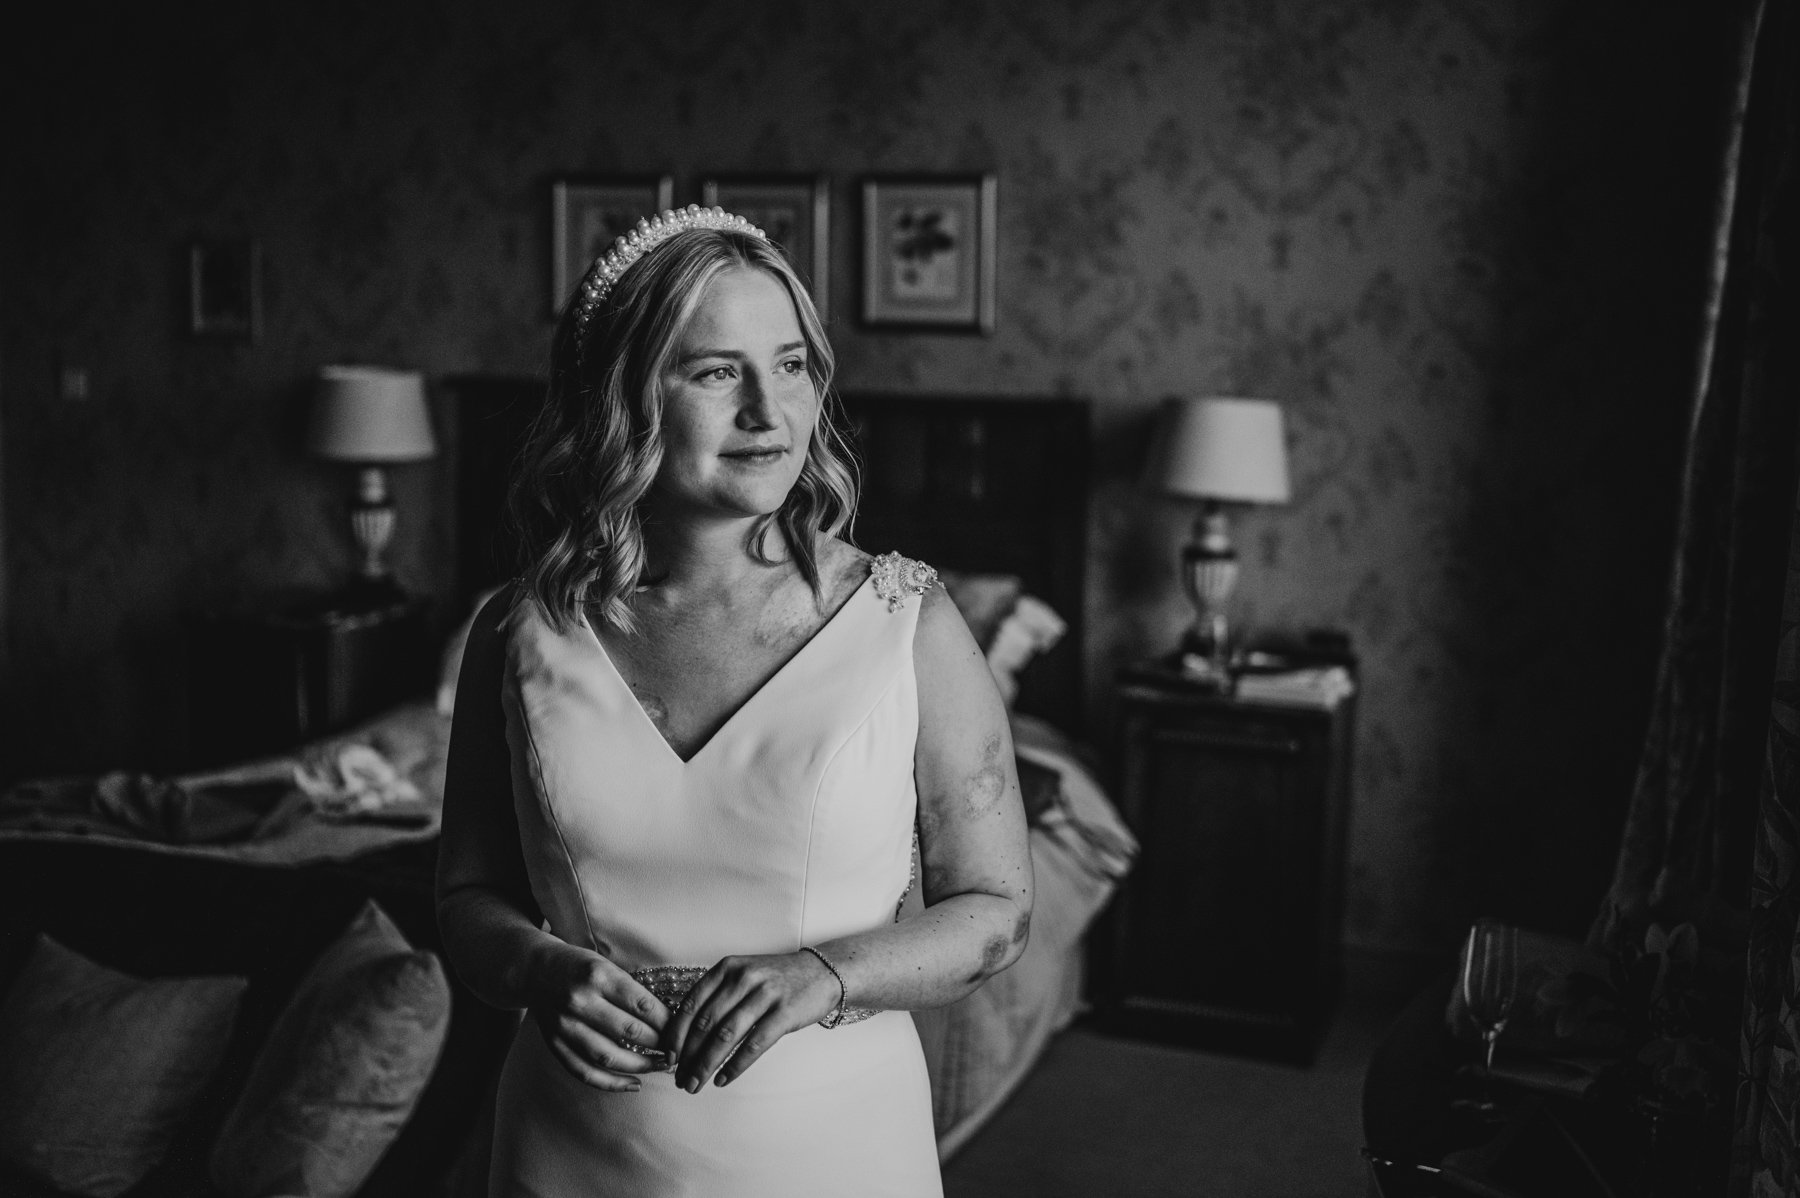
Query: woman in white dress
pixel 693 746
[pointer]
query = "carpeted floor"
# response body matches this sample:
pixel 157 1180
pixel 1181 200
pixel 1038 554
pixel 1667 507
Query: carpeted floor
pixel 1124 1119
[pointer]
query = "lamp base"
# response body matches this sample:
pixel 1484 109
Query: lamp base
pixel 1209 574
pixel 372 525
pixel 1209 636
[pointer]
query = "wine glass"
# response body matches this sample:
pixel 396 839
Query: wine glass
pixel 1489 981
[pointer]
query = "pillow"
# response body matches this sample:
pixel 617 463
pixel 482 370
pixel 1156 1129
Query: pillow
pixel 450 665
pixel 983 599
pixel 98 1069
pixel 341 1070
pixel 1011 626
pixel 1031 628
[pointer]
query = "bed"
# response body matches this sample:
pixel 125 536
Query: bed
pixel 991 492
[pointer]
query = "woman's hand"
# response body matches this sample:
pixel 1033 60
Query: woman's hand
pixel 739 1008
pixel 587 1009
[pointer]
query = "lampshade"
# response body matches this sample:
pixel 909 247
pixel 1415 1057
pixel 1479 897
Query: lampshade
pixel 1229 449
pixel 370 414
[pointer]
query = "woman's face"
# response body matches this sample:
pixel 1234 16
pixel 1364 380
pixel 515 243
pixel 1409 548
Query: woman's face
pixel 738 403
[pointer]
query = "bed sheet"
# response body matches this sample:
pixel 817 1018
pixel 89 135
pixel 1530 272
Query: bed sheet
pixel 255 813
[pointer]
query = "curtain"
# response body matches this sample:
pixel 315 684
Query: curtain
pixel 1714 823
pixel 1685 851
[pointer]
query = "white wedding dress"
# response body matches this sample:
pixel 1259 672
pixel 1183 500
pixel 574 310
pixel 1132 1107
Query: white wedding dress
pixel 791 826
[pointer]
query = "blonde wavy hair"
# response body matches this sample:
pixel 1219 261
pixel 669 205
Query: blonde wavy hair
pixel 593 451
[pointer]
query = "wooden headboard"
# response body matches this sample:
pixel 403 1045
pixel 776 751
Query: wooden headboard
pixel 982 485
pixel 996 486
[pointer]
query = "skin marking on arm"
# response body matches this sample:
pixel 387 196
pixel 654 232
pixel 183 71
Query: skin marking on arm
pixel 993 956
pixel 935 879
pixel 988 784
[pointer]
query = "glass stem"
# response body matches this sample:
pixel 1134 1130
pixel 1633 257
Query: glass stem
pixel 1489 1037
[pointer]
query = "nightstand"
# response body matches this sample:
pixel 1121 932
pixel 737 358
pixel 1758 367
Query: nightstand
pixel 267 677
pixel 1226 933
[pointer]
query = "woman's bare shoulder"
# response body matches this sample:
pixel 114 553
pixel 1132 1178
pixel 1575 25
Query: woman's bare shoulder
pixel 842 569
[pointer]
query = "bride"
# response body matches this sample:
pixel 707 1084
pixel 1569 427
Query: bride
pixel 696 743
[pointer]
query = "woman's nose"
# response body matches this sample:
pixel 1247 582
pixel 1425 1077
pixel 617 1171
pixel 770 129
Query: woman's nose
pixel 755 407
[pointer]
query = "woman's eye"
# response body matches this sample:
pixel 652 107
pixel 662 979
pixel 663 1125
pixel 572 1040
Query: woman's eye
pixel 794 366
pixel 717 373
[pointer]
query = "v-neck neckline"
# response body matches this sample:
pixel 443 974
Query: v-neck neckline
pixel 731 720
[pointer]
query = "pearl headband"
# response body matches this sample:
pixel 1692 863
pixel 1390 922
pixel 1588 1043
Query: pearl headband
pixel 649 233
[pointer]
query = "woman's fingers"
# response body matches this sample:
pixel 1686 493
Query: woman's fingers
pixel 606 985
pixel 775 1023
pixel 604 1014
pixel 681 1025
pixel 628 994
pixel 602 1051
pixel 596 1018
pixel 720 1028
pixel 600 1079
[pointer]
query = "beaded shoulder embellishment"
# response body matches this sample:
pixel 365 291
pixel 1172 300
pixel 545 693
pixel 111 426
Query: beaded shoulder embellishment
pixel 896 577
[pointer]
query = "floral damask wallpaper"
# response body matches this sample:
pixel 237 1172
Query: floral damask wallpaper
pixel 1438 232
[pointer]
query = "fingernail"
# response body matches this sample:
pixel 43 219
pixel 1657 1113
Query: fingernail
pixel 721 1080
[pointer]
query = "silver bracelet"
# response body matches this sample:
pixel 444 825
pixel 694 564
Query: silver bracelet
pixel 836 1016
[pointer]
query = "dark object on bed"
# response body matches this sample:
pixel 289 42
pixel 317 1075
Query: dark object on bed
pixel 161 915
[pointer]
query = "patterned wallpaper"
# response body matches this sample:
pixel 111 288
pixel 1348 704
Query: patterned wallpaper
pixel 1439 233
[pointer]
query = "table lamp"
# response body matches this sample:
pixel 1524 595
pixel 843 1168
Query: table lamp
pixel 373 417
pixel 1219 451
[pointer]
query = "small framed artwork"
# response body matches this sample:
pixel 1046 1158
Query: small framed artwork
pixel 225 290
pixel 929 253
pixel 586 214
pixel 794 210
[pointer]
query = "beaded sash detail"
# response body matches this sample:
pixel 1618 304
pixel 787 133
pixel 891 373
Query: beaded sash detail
pixel 896 577
pixel 671 983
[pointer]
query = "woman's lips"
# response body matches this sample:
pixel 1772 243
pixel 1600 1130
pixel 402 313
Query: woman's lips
pixel 757 457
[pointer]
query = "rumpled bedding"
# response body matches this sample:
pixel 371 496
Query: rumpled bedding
pixel 378 784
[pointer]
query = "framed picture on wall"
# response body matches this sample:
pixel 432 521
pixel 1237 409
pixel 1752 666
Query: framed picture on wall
pixel 225 290
pixel 928 254
pixel 794 210
pixel 587 213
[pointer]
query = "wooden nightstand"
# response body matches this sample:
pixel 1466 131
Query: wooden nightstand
pixel 266 678
pixel 1226 933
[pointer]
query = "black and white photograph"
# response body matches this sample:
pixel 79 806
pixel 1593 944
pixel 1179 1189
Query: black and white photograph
pixel 993 599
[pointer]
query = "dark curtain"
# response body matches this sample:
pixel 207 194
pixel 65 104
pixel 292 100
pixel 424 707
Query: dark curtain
pixel 1685 852
pixel 1725 721
pixel 1720 767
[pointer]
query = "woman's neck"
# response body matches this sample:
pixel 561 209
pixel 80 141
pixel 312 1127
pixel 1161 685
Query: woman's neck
pixel 701 557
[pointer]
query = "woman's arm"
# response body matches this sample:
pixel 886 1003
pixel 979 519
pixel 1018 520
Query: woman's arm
pixel 491 925
pixel 977 882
